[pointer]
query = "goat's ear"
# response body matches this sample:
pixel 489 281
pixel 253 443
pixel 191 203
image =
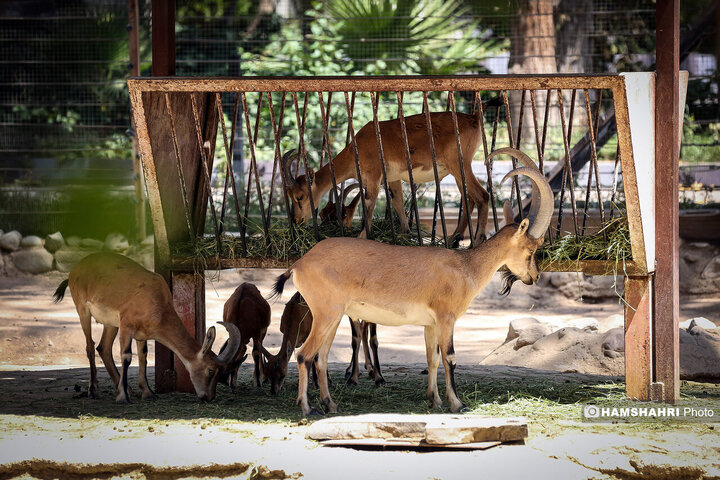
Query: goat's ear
pixel 508 213
pixel 209 340
pixel 522 229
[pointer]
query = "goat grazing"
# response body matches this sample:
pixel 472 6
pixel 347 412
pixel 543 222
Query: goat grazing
pixel 329 212
pixel 250 313
pixel 136 303
pixel 295 325
pixel 446 150
pixel 398 285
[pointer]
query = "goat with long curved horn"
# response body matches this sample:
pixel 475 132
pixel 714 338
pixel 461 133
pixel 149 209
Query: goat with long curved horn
pixel 542 200
pixel 526 161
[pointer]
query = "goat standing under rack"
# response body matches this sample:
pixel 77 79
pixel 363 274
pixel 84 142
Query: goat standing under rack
pixel 398 285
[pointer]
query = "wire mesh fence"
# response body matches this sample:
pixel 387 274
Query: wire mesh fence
pixel 65 136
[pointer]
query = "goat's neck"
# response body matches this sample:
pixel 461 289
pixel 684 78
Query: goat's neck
pixel 175 336
pixel 323 180
pixel 487 258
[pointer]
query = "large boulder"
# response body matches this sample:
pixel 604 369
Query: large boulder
pixel 116 242
pixel 589 324
pixel 91 243
pixel 10 241
pixel 516 326
pixel 587 288
pixel 33 260
pixel 699 268
pixel 697 322
pixel 700 354
pixel 613 343
pixel 67 257
pixel 149 241
pixel 73 241
pixel 54 242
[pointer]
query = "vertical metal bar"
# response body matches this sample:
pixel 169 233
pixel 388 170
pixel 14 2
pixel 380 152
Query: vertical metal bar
pixel 539 144
pixel 183 186
pixel 277 131
pixel 638 318
pixel 163 38
pixel 326 114
pixel 326 143
pixel 229 158
pixel 516 183
pixel 488 165
pixel 541 165
pixel 433 154
pixel 520 120
pixel 413 189
pixel 567 171
pixel 616 172
pixel 253 165
pixel 134 51
pixel 349 106
pixel 451 96
pixel 593 166
pixel 205 171
pixel 301 132
pixel 388 198
pixel 667 151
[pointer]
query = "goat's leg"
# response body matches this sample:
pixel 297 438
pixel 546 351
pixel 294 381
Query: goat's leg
pixel 352 371
pixel 85 319
pixel 325 323
pixel 322 358
pixel 399 205
pixel 259 371
pixel 125 357
pixel 377 374
pixel 445 334
pixel 481 198
pixel 366 349
pixel 105 350
pixel 433 358
pixel 142 370
pixel 371 194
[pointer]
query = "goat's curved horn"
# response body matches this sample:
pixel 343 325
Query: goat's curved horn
pixel 285 162
pixel 267 354
pixel 528 162
pixel 348 190
pixel 546 202
pixel 233 343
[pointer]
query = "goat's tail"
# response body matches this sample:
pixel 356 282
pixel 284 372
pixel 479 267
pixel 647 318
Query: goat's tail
pixel 60 292
pixel 280 285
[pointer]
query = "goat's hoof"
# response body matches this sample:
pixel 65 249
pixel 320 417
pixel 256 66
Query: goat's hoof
pixel 348 373
pixel 380 382
pixel 314 412
pixel 122 399
pixel 93 393
pixel 351 383
pixel 461 409
pixel 148 395
pixel 424 372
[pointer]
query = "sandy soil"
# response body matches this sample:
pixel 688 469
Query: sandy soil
pixel 42 359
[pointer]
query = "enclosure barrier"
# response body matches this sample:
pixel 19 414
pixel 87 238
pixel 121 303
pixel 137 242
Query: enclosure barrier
pixel 179 119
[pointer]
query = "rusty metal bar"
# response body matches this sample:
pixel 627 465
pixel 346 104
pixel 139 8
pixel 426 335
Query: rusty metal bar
pixel 205 170
pixel 433 154
pixel 468 212
pixel 326 146
pixel 229 158
pixel 350 106
pixel 300 119
pixel 183 186
pixel 326 114
pixel 373 100
pixel 616 171
pixel 511 140
pixel 593 166
pixel 413 188
pixel 277 132
pixel 253 165
pixel 568 171
pixel 488 165
pixel 541 165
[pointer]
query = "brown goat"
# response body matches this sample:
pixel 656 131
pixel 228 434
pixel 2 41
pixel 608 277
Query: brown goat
pixel 329 212
pixel 295 325
pixel 250 313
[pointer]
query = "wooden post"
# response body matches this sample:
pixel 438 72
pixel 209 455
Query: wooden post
pixel 638 322
pixel 189 299
pixel 134 42
pixel 666 347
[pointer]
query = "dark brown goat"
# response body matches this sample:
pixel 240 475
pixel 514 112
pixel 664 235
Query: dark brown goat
pixel 250 313
pixel 295 326
pixel 329 212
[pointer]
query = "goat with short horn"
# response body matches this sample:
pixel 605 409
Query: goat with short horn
pixel 399 285
pixel 133 302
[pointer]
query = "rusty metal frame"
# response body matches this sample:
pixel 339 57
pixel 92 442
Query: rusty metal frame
pixel 142 90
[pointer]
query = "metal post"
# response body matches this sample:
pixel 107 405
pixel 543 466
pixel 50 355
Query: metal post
pixel 134 47
pixel 667 152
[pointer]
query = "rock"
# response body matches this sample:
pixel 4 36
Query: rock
pixel 582 287
pixel 699 268
pixel 31 241
pixel 697 322
pixel 699 354
pixel 532 334
pixel 10 241
pixel 518 325
pixel 54 242
pixel 613 343
pixel 116 242
pixel 33 260
pixel 91 243
pixel 73 241
pixel 612 321
pixel 588 324
pixel 149 241
pixel 67 257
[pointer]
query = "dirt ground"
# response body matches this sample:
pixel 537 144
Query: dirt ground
pixel 49 430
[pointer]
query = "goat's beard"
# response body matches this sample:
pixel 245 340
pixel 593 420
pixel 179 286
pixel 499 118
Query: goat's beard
pixel 508 279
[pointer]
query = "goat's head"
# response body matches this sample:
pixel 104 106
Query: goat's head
pixel 297 188
pixel 329 212
pixel 527 237
pixel 276 367
pixel 206 368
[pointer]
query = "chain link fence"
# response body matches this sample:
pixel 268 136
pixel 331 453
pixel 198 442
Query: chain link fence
pixel 65 137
